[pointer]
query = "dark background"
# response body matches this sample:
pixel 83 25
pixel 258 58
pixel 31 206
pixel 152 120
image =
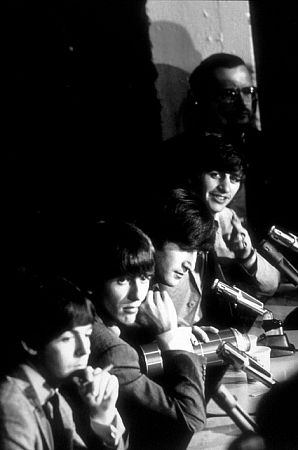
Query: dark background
pixel 275 38
pixel 80 113
pixel 81 118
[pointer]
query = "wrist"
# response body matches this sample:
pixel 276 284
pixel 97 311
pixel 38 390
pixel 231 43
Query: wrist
pixel 176 339
pixel 110 435
pixel 104 417
pixel 250 259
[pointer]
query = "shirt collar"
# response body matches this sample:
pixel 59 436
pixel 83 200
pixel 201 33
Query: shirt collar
pixel 43 390
pixel 216 219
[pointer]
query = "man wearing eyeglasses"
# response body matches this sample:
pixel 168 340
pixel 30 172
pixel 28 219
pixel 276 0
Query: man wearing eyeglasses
pixel 222 94
pixel 222 100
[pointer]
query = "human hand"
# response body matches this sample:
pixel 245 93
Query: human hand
pixel 239 240
pixel 99 390
pixel 158 312
pixel 200 333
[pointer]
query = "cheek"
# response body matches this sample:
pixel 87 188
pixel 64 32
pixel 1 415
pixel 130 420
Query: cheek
pixel 234 189
pixel 144 291
pixel 208 184
pixel 113 298
pixel 56 360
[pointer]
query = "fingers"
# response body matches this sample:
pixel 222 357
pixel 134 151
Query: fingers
pixel 200 334
pixel 210 329
pixel 240 239
pixel 236 222
pixel 99 384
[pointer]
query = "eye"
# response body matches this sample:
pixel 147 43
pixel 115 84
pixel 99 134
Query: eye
pixel 214 174
pixel 123 281
pixel 66 337
pixel 235 179
pixel 88 333
pixel 145 278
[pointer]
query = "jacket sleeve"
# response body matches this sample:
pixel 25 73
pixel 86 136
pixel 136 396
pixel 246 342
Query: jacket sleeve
pixel 177 397
pixel 264 279
pixel 267 277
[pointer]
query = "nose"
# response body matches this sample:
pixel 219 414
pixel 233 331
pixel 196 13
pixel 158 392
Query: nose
pixel 225 184
pixel 189 262
pixel 82 345
pixel 135 291
pixel 243 98
pixel 187 265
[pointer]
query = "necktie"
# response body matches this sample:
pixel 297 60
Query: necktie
pixel 53 414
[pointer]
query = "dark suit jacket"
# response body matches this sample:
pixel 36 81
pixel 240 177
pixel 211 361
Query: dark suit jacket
pixel 161 414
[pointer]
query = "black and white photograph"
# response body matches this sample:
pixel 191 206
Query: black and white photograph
pixel 150 239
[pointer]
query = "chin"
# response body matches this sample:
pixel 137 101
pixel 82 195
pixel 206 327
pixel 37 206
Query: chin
pixel 129 320
pixel 172 282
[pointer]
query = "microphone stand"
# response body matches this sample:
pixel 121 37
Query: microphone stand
pixel 274 336
pixel 228 403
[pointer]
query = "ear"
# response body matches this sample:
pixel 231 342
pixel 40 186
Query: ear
pixel 28 349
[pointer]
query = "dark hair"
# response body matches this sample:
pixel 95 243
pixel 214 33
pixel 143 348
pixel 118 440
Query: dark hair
pixel 219 154
pixel 49 307
pixel 179 216
pixel 202 76
pixel 114 249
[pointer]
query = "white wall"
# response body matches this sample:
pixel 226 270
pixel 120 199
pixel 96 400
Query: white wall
pixel 183 32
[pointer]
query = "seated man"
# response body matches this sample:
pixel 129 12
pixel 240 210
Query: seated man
pixel 116 267
pixel 54 328
pixel 232 254
pixel 179 225
pixel 222 99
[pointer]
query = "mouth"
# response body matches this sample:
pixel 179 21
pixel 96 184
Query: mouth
pixel 243 114
pixel 179 274
pixel 131 309
pixel 219 198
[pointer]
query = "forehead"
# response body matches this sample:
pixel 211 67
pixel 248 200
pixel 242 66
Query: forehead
pixel 173 249
pixel 82 329
pixel 234 77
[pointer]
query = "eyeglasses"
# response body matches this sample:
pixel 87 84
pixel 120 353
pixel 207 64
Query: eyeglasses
pixel 231 95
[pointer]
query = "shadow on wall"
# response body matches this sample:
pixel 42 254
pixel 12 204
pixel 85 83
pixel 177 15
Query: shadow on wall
pixel 173 45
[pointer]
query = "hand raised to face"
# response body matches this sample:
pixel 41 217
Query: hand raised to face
pixel 158 312
pixel 99 390
pixel 238 241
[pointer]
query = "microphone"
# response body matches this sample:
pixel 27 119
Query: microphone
pixel 243 361
pixel 287 239
pixel 151 364
pixel 237 296
pixel 150 355
pixel 274 257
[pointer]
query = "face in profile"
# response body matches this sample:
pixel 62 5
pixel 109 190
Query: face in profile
pixel 172 263
pixel 122 297
pixel 234 101
pixel 218 189
pixel 66 354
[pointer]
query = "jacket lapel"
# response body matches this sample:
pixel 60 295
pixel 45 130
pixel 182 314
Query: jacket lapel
pixel 37 409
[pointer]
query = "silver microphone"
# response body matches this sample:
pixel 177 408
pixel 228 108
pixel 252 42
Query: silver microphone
pixel 277 259
pixel 236 295
pixel 243 361
pixel 287 239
